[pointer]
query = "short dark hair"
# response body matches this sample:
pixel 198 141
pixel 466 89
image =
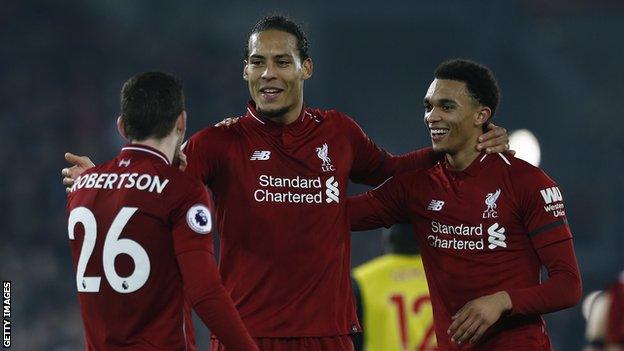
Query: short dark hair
pixel 479 80
pixel 283 24
pixel 150 104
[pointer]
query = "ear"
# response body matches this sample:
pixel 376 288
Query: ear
pixel 307 67
pixel 121 129
pixel 245 74
pixel 483 116
pixel 180 124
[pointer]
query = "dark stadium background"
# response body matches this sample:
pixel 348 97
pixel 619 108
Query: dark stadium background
pixel 62 63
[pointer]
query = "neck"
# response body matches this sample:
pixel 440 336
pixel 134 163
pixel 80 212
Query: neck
pixel 462 159
pixel 289 116
pixel 167 145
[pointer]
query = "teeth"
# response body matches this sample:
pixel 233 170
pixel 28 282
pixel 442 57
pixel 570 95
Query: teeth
pixel 270 91
pixel 438 131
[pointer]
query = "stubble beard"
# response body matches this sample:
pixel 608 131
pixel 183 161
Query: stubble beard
pixel 274 114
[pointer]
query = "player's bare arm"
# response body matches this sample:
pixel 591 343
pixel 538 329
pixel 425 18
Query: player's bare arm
pixel 476 316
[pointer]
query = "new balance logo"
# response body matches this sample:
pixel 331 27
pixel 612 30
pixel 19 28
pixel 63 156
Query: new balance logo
pixel 435 205
pixel 260 155
pixel 124 163
pixel 332 190
pixel 496 237
pixel 551 195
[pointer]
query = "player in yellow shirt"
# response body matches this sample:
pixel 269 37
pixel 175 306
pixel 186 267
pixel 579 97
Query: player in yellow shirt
pixel 393 297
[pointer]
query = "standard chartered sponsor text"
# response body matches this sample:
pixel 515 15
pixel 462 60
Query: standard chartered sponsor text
pixel 456 243
pixel 289 190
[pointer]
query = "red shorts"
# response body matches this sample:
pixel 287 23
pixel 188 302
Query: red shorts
pixel 326 343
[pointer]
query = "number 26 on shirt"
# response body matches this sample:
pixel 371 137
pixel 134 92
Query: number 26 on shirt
pixel 113 246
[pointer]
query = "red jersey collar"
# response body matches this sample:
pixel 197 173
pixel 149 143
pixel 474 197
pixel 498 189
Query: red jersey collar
pixel 478 163
pixel 472 169
pixel 253 114
pixel 145 150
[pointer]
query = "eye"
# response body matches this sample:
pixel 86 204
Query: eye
pixel 427 107
pixel 255 63
pixel 447 107
pixel 283 63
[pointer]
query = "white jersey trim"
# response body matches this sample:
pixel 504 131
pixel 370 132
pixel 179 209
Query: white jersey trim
pixel 134 148
pixel 254 116
pixel 504 158
pixel 311 116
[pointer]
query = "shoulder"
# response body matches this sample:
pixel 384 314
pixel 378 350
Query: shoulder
pixel 524 173
pixel 214 134
pixel 182 184
pixel 212 140
pixel 415 175
pixel 331 116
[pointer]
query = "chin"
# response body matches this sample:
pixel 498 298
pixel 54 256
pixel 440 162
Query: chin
pixel 274 111
pixel 438 148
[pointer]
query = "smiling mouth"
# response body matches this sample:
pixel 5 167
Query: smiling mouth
pixel 270 93
pixel 438 134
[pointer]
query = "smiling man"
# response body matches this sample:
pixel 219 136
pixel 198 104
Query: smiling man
pixel 485 224
pixel 279 178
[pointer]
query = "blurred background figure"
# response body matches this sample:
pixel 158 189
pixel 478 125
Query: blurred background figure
pixel 392 297
pixel 604 313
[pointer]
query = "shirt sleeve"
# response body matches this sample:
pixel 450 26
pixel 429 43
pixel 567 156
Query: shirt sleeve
pixel 192 221
pixel 543 209
pixel 412 161
pixel 562 289
pixel 211 301
pixel 192 225
pixel 368 158
pixel 204 152
pixel 380 207
pixel 358 338
pixel 372 165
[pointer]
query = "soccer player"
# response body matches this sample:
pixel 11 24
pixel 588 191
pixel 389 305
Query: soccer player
pixel 279 178
pixel 393 300
pixel 139 233
pixel 485 224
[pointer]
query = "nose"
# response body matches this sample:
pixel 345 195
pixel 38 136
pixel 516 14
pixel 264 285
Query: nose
pixel 431 116
pixel 269 71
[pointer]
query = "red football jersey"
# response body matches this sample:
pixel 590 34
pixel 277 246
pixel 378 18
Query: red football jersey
pixel 280 194
pixel 478 230
pixel 128 221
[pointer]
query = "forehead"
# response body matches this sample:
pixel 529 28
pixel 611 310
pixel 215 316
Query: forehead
pixel 272 42
pixel 447 89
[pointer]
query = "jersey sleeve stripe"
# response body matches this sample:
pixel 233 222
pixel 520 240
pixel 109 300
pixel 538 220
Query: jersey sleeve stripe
pixel 547 227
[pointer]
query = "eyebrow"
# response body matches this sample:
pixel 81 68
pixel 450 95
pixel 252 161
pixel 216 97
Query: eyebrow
pixel 440 101
pixel 280 56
